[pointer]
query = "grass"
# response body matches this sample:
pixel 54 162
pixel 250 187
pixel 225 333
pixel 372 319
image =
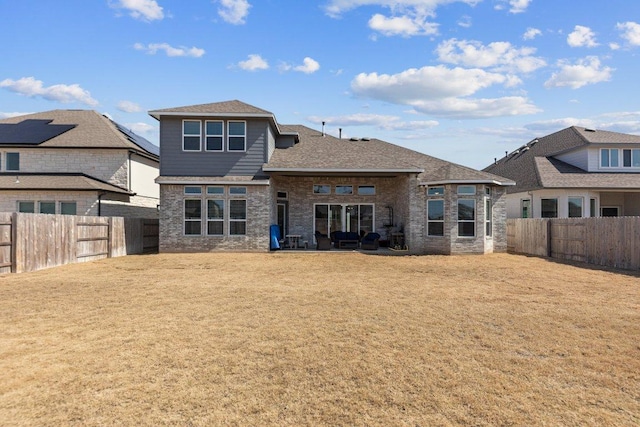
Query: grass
pixel 320 339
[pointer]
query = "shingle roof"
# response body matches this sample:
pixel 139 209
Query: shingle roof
pixel 90 130
pixel 532 166
pixel 56 181
pixel 233 107
pixel 319 153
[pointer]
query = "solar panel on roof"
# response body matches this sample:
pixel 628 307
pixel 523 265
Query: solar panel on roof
pixel 31 131
pixel 138 140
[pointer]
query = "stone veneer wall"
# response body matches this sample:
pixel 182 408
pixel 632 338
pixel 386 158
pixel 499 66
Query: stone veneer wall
pixel 260 204
pixel 86 202
pixel 107 165
pixel 138 207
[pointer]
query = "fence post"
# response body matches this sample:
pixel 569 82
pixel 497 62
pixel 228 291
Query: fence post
pixel 14 240
pixel 549 237
pixel 110 237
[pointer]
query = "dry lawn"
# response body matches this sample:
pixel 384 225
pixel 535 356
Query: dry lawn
pixel 320 339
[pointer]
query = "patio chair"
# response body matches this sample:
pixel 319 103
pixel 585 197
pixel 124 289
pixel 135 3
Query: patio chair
pixel 323 241
pixel 371 242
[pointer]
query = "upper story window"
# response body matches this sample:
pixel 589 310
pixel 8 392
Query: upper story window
pixel 13 162
pixel 631 158
pixel 191 134
pixel 609 158
pixel 620 157
pixel 366 190
pixel 237 136
pixel 214 135
pixel 344 189
pixel 321 189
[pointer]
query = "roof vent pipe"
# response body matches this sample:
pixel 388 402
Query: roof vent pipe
pixel 339 133
pixel 506 153
pixel 495 160
pixel 322 128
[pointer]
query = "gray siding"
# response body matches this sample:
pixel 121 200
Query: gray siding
pixel 175 162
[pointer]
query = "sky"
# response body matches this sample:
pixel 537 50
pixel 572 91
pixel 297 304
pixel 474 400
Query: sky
pixel 461 80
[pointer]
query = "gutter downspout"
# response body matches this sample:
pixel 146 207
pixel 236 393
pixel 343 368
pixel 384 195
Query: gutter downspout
pixel 100 194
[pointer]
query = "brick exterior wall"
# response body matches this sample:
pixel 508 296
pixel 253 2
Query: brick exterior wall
pixel 86 202
pixel 260 206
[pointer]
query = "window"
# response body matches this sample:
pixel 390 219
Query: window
pixel 27 207
pixel 214 135
pixel 435 191
pixel 191 135
pixel 358 218
pixel 435 217
pixel 192 217
pixel 237 136
pixel 321 189
pixel 525 208
pixel 48 207
pixel 68 208
pixel 488 217
pixel 215 217
pixel 575 207
pixel 344 189
pixel 592 207
pixel 283 195
pixel 549 208
pixel 609 158
pixel 192 190
pixel 13 161
pixel 237 217
pixel 631 158
pixel 466 217
pixel 237 190
pixel 366 190
pixel 467 189
pixel 215 190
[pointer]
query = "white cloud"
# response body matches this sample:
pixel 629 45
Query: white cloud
pixel 614 46
pixel 549 126
pixel 234 11
pixel 519 6
pixel 144 10
pixel 498 56
pixel 385 122
pixel 531 33
pixel 29 86
pixel 582 37
pixel 585 71
pixel 309 66
pixel 153 48
pixel 441 91
pixel 405 26
pixel 465 21
pixel 630 32
pixel 141 128
pixel 335 8
pixel 254 63
pixel 129 107
pixel 7 115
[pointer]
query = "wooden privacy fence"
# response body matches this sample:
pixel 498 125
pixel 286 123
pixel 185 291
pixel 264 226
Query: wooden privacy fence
pixel 610 241
pixel 30 242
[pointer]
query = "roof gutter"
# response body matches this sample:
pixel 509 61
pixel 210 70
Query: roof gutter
pixel 469 181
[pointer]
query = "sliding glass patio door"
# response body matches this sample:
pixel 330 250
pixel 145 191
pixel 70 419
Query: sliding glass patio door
pixel 343 217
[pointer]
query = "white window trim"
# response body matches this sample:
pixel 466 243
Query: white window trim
pixel 206 135
pixel 488 217
pixel 61 202
pixel 229 136
pixel 343 205
pixel 246 217
pixel 185 220
pixel 35 205
pixel 40 202
pixel 436 220
pixel 530 212
pixel 581 206
pixel 473 221
pixel 557 207
pixel 433 187
pixel 222 220
pixel 6 161
pixel 475 190
pixel 185 135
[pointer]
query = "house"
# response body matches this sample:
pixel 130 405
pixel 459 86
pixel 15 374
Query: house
pixel 76 162
pixel 576 172
pixel 229 170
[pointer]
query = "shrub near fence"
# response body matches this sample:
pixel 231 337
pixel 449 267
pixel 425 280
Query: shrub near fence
pixel 610 241
pixel 30 242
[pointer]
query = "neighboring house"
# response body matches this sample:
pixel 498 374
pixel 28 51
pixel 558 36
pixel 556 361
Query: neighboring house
pixel 576 172
pixel 76 162
pixel 229 170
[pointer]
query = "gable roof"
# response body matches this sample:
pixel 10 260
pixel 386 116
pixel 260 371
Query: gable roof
pixel 225 108
pixel 23 181
pixel 532 166
pixel 72 129
pixel 317 153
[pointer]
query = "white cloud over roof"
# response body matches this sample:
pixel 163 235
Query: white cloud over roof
pixel 29 86
pixel 254 62
pixel 584 72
